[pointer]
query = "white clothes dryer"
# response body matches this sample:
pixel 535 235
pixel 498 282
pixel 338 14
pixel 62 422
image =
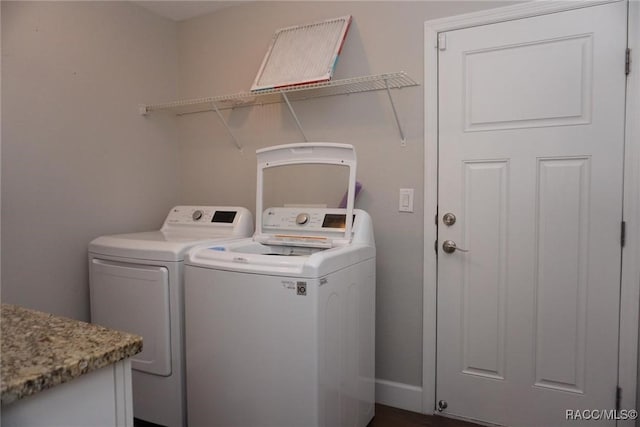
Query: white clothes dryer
pixel 136 285
pixel 280 328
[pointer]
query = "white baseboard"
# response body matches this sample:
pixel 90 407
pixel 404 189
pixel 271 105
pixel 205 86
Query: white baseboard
pixel 399 395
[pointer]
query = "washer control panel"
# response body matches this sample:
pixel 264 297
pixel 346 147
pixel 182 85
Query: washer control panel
pixel 303 219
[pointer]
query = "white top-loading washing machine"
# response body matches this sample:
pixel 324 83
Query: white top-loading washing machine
pixel 136 285
pixel 280 328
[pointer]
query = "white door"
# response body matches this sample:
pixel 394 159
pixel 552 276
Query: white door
pixel 531 119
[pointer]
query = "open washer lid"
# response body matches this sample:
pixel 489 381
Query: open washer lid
pixel 306 153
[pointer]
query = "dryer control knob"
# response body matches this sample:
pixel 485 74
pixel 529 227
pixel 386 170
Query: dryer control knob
pixel 302 219
pixel 197 215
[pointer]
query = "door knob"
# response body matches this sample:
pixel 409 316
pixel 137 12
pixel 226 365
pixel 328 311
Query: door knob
pixel 449 246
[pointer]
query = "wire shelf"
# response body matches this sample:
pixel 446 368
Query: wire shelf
pixel 293 93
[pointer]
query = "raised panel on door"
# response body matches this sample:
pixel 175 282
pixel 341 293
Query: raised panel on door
pixel 561 273
pixel 484 277
pixel 536 72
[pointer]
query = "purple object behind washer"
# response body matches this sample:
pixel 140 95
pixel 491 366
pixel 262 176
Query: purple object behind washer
pixel 343 202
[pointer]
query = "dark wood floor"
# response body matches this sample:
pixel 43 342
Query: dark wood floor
pixel 386 416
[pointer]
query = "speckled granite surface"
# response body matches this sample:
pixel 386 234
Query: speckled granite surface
pixel 40 350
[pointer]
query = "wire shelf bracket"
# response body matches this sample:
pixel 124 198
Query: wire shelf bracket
pixel 403 140
pixel 295 116
pixel 226 125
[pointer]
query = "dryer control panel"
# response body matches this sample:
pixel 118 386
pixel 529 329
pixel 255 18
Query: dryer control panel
pixel 201 214
pixel 227 220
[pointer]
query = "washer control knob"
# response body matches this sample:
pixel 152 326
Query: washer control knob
pixel 302 219
pixel 197 215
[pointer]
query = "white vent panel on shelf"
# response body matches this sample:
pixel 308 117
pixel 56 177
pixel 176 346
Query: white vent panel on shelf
pixel 302 54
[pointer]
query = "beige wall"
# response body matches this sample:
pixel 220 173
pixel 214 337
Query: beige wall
pixel 78 160
pixel 220 53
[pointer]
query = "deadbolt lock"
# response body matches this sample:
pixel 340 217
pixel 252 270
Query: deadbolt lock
pixel 449 219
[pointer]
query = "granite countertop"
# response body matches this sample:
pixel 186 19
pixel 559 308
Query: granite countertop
pixel 40 350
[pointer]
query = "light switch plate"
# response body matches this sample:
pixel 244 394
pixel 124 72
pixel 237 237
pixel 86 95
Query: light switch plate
pixel 406 200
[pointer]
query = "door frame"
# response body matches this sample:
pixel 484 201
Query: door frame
pixel 630 286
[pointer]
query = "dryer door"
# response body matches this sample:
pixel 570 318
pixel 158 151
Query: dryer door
pixel 135 298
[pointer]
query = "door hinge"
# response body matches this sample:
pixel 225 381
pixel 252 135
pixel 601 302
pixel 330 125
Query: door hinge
pixel 618 398
pixel 435 246
pixel 627 62
pixel 442 41
pixel 623 233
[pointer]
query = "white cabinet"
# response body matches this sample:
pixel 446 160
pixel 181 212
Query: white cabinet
pixel 97 399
